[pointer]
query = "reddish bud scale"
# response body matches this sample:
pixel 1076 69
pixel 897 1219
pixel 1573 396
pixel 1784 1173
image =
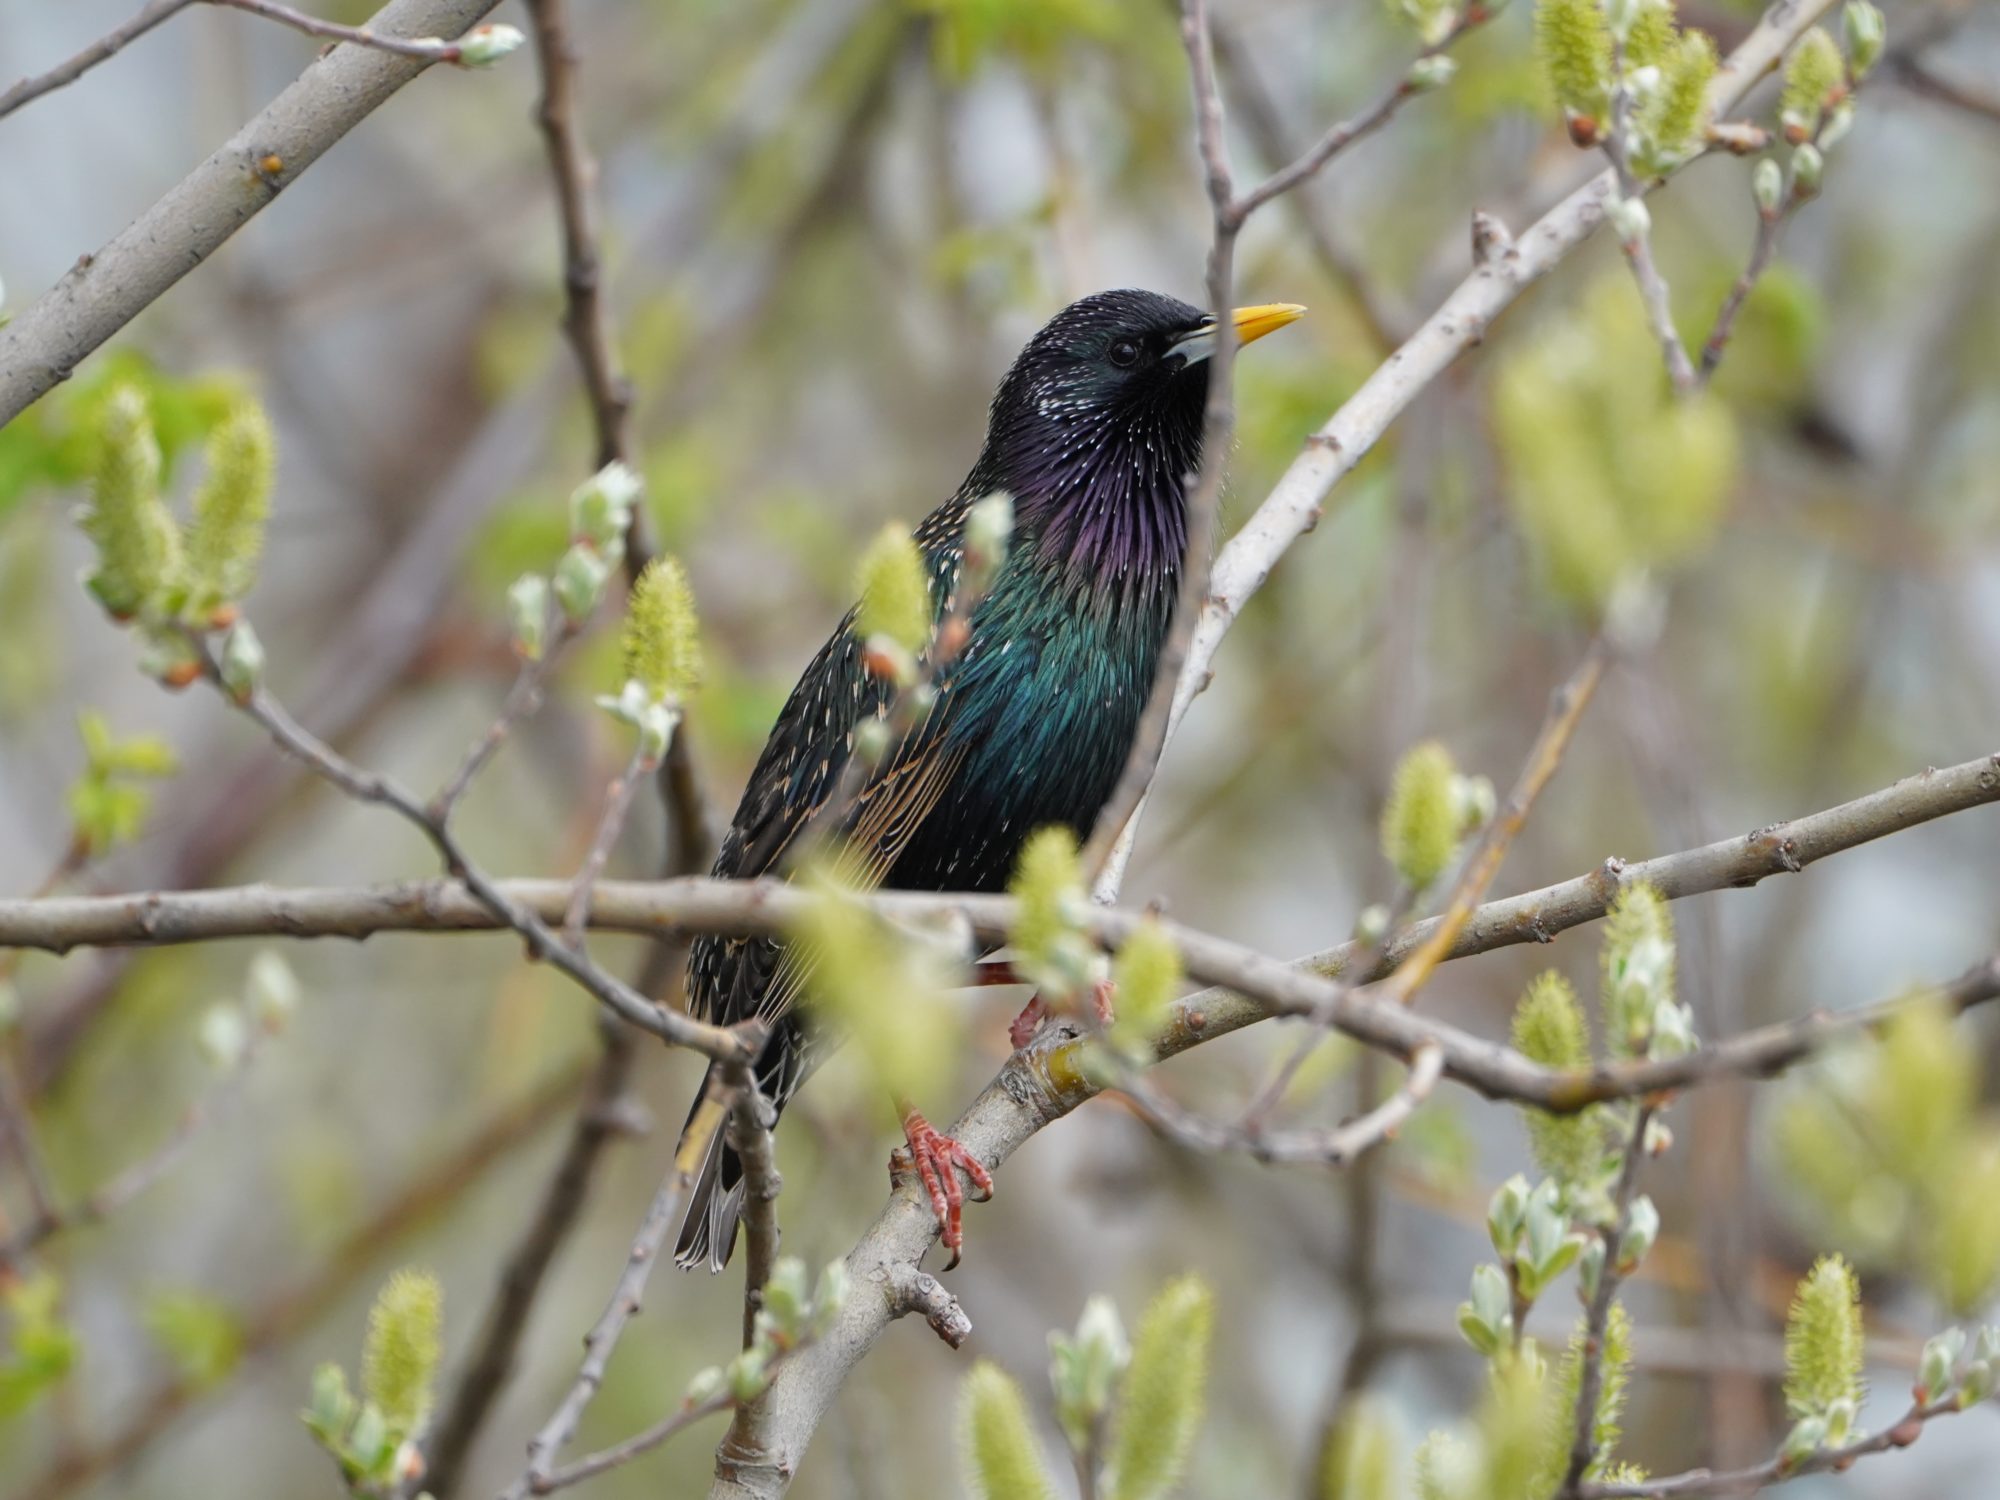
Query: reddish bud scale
pixel 1583 130
pixel 878 663
pixel 181 674
pixel 222 617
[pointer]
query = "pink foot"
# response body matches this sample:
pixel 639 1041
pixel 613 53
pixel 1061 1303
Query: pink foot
pixel 938 1159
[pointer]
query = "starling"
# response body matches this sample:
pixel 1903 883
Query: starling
pixel 1094 432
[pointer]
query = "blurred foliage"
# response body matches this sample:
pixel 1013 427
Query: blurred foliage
pixel 1610 473
pixel 1148 1396
pixel 41 1345
pixel 827 229
pixel 54 445
pixel 1888 1155
pixel 109 800
pixel 201 1335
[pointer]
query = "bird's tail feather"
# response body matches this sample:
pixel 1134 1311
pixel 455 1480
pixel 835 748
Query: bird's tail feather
pixel 708 1230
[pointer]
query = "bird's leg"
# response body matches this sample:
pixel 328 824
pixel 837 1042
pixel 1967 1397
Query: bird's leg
pixel 1102 994
pixel 938 1159
pixel 1021 1030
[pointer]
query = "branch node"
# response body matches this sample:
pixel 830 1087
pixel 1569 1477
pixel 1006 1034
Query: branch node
pixel 913 1291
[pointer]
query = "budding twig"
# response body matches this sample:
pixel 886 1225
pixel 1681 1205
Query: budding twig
pixel 661 1217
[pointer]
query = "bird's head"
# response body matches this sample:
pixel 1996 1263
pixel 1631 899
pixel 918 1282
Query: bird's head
pixel 1102 411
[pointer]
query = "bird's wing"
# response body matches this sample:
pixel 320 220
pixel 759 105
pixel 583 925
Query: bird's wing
pixel 799 773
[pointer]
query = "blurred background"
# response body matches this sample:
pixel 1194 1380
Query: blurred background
pixel 830 224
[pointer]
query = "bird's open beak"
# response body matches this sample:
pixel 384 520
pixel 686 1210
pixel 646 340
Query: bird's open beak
pixel 1252 323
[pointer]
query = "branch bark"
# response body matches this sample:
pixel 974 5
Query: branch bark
pixel 103 292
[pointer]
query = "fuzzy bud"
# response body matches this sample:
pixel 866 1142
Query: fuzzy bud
pixel 1808 170
pixel 1575 46
pixel 272 989
pixel 1642 1228
pixel 484 46
pixel 242 661
pixel 1823 1340
pixel 1936 1366
pixel 1084 1370
pixel 1865 31
pixel 1767 186
pixel 1813 71
pixel 528 611
pixel 600 509
pixel 1420 824
pixel 1630 218
pixel 895 593
pixel 1428 73
pixel 138 544
pixel 989 531
pixel 1506 1213
pixel 579 581
pixel 1144 976
pixel 662 635
pixel 1372 925
pixel 230 511
pixel 222 1037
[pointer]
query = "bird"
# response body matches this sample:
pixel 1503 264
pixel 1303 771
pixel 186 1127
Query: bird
pixel 1095 432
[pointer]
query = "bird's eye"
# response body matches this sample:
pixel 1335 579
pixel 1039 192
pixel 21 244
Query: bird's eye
pixel 1124 354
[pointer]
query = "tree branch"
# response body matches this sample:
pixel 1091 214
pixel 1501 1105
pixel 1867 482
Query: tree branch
pixel 103 292
pixel 30 89
pixel 599 1118
pixel 1295 505
pixel 659 1222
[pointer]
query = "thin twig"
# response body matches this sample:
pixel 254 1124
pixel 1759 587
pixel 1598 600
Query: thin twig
pixel 1638 245
pixel 1779 1470
pixel 52 1218
pixel 601 1116
pixel 425 49
pixel 1566 708
pixel 1335 1147
pixel 1770 224
pixel 1920 78
pixel 750 1120
pixel 617 808
pixel 586 319
pixel 1583 1440
pixel 1204 498
pixel 30 89
pixel 299 1306
pixel 661 1217
pixel 1339 137
pixel 367 786
pixel 523 701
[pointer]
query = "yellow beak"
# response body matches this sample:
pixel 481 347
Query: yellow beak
pixel 1252 323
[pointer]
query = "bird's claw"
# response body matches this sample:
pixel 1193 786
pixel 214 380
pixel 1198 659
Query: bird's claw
pixel 938 1159
pixel 1021 1030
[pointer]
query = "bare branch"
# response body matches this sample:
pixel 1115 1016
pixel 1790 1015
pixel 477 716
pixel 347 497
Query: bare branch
pixel 51 1218
pixel 30 89
pixel 1339 137
pixel 104 291
pixel 659 1222
pixel 914 1291
pixel 366 786
pixel 1332 1148
pixel 617 808
pixel 428 49
pixel 600 1117
pixel 586 319
pixel 1762 1476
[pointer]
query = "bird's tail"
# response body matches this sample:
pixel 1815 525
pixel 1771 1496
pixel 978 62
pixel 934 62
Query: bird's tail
pixel 708 1231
